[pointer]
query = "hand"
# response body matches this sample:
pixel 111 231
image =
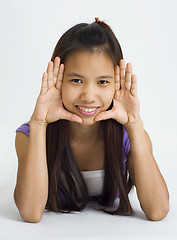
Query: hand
pixel 49 107
pixel 126 106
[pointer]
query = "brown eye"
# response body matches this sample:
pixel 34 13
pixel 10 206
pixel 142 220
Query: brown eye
pixel 76 80
pixel 103 82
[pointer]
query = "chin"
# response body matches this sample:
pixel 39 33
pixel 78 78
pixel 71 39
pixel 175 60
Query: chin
pixel 87 121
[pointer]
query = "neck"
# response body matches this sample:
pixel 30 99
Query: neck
pixel 85 133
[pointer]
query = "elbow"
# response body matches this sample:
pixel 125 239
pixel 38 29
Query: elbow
pixel 27 213
pixel 31 217
pixel 158 214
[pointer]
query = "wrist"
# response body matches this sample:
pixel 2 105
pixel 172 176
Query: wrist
pixel 133 125
pixel 40 123
pixel 135 132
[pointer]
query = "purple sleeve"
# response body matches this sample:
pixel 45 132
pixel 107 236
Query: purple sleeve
pixel 24 128
pixel 126 146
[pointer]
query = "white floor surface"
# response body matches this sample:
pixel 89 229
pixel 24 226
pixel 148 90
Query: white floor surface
pixel 88 224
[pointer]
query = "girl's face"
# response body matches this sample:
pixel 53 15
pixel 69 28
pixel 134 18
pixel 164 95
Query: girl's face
pixel 88 84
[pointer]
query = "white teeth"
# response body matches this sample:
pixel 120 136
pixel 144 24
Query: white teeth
pixel 87 109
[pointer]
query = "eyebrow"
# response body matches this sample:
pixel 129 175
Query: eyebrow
pixel 81 76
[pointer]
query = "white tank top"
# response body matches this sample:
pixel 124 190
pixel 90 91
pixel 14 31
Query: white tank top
pixel 94 181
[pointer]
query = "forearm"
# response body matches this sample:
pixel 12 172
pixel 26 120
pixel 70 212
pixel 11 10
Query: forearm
pixel 151 188
pixel 32 190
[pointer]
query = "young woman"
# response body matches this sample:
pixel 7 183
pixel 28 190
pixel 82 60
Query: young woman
pixel 85 139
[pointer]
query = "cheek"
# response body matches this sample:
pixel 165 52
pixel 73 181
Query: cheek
pixel 68 95
pixel 65 93
pixel 108 96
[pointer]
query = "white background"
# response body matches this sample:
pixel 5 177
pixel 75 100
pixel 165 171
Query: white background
pixel 147 32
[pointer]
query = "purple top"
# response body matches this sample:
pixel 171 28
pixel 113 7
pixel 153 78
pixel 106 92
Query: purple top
pixel 126 144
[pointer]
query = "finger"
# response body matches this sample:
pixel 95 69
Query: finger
pixel 104 115
pixel 50 75
pixel 71 117
pixel 122 74
pixel 128 75
pixel 133 88
pixel 55 69
pixel 117 78
pixel 44 84
pixel 60 77
pixel 75 118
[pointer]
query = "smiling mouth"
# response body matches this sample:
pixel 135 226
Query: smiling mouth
pixel 87 111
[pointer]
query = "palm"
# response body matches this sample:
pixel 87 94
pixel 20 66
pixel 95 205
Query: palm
pixel 49 107
pixel 51 103
pixel 126 105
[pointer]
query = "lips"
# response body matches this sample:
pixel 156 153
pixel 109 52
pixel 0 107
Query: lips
pixel 87 110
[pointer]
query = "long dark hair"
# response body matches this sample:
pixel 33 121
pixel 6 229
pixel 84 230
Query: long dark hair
pixel 67 188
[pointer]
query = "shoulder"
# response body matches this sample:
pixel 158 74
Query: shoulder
pixel 21 140
pixel 24 128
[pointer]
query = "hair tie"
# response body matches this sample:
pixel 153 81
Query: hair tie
pixel 97 20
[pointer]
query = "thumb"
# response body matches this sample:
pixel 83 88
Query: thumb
pixel 104 115
pixel 71 117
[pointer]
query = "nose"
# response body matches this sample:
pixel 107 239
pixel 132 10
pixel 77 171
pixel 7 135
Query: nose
pixel 88 94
